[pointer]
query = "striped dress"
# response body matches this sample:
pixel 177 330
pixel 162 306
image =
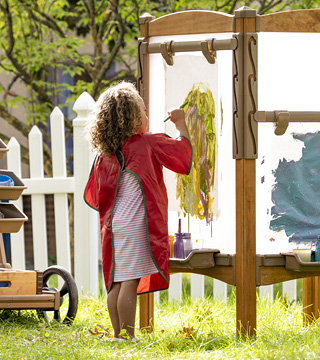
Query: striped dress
pixel 132 259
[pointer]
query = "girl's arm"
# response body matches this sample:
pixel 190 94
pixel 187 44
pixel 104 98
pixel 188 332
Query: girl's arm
pixel 178 118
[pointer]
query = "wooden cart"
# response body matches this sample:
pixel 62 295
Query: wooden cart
pixel 25 289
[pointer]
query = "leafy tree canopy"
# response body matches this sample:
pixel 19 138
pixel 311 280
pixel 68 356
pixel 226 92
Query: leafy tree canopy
pixel 43 42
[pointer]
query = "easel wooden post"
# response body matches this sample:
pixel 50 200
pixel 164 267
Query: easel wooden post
pixel 146 300
pixel 245 153
pixel 310 299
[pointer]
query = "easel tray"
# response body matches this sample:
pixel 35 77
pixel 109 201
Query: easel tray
pixel 294 263
pixel 202 258
pixel 13 218
pixel 11 192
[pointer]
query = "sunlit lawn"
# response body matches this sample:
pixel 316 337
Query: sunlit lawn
pixel 204 329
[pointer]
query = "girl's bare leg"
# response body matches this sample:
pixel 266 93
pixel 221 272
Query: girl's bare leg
pixel 112 300
pixel 127 303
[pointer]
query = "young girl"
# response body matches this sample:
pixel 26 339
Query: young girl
pixel 126 186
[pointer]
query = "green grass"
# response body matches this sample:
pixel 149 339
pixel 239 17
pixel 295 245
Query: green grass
pixel 201 330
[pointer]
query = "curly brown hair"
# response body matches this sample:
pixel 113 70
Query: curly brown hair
pixel 116 115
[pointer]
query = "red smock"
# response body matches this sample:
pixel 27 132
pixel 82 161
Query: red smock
pixel 144 155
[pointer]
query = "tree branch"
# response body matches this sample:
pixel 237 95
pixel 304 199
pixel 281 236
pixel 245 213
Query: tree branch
pixel 24 150
pixel 133 9
pixel 22 127
pixel 8 16
pixel 106 65
pixel 100 6
pixel 45 20
pixel 268 6
pixel 217 8
pixel 106 17
pixel 85 5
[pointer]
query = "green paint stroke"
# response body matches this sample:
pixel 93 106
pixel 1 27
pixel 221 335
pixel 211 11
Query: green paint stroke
pixel 221 116
pixel 193 190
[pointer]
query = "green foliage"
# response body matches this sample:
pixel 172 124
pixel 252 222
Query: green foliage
pixel 42 40
pixel 43 43
pixel 227 6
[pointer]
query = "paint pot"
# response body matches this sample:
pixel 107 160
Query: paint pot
pixel 187 244
pixel 6 180
pixel 303 250
pixel 178 246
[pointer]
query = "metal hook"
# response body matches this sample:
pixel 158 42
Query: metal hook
pixel 207 50
pixel 166 52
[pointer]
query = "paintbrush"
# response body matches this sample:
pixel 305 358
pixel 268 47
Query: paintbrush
pixel 181 107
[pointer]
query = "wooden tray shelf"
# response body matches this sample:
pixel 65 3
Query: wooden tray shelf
pixel 294 263
pixel 202 258
pixel 270 268
pixel 11 192
pixel 222 267
pixel 13 218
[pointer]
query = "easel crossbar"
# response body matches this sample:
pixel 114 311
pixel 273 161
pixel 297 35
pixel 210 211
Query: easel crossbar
pixel 185 46
pixel 293 116
pixel 282 118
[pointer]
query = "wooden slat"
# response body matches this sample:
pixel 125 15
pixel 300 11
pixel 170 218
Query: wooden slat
pixel 291 21
pixel 190 22
pixel 273 275
pixel 222 273
pixel 45 301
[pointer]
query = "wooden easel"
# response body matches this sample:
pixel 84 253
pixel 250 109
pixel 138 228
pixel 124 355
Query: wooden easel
pixel 235 270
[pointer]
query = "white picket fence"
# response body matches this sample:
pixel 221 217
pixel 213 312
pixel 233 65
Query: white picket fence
pixel 86 231
pixel 86 222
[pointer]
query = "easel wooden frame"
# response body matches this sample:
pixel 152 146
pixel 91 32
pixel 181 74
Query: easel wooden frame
pixel 244 24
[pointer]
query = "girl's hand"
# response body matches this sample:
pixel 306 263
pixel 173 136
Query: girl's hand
pixel 177 115
pixel 178 118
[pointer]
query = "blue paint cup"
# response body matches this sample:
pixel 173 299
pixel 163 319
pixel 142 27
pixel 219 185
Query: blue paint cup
pixel 6 180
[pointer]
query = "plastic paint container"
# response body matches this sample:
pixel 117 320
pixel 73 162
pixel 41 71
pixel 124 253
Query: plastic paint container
pixel 6 180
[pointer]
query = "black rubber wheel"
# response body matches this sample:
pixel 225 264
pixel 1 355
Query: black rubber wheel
pixel 68 291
